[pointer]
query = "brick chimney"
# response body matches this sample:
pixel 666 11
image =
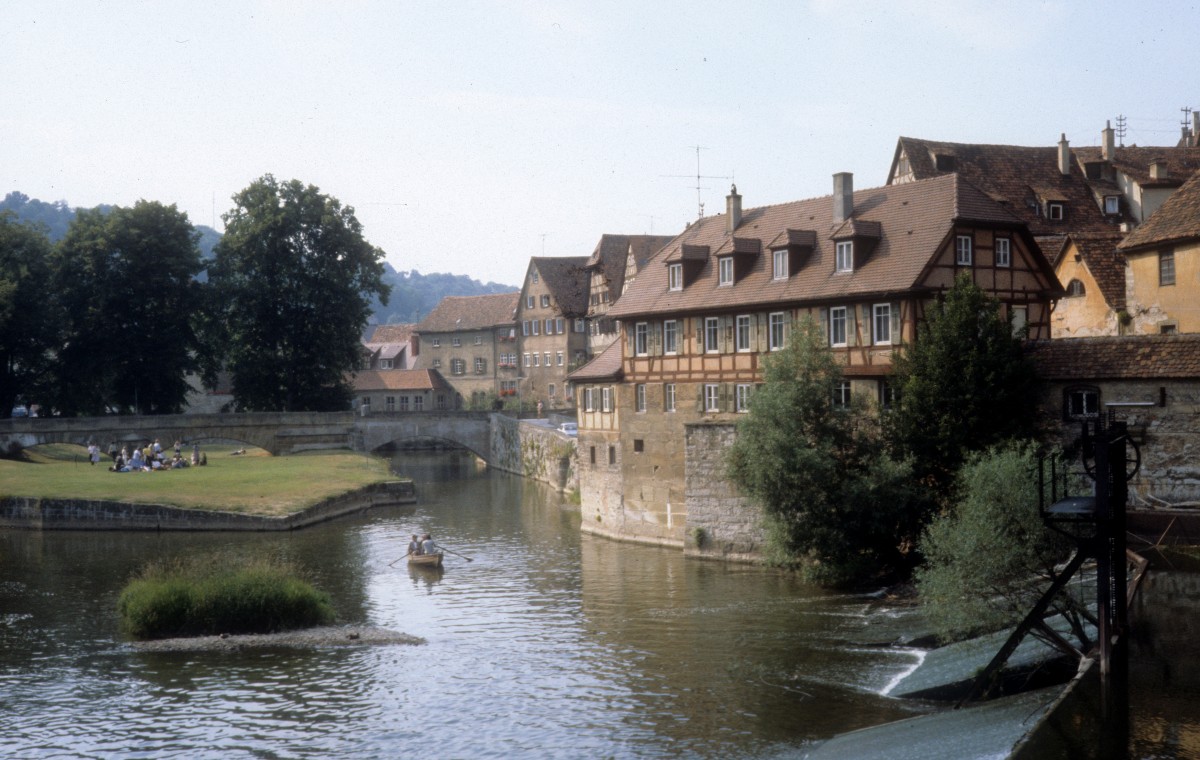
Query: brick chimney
pixel 1064 155
pixel 843 196
pixel 1108 142
pixel 733 210
pixel 1158 168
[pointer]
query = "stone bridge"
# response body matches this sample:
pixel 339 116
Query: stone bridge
pixel 277 432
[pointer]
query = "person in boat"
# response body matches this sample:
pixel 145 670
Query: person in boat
pixel 414 546
pixel 427 545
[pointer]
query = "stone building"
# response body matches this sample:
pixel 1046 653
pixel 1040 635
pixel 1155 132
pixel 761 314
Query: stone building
pixel 616 258
pixel 390 347
pixel 401 391
pixel 553 329
pixel 472 342
pixel 707 308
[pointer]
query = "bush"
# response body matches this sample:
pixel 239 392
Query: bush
pixel 220 594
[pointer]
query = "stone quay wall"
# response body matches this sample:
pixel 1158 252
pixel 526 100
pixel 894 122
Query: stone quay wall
pixel 534 451
pixel 81 514
pixel 721 524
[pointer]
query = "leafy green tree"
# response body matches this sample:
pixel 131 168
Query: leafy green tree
pixel 984 557
pixel 126 282
pixel 28 321
pixel 833 500
pixel 963 385
pixel 293 281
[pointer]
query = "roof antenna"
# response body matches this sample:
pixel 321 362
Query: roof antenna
pixel 698 177
pixel 1121 130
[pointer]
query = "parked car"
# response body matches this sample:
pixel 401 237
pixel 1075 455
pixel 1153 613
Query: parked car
pixel 20 411
pixel 570 428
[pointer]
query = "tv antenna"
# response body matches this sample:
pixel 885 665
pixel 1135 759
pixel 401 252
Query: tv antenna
pixel 698 177
pixel 1121 129
pixel 1187 122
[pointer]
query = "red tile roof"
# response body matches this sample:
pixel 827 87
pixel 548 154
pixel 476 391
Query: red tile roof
pixel 567 280
pixel 456 313
pixel 400 380
pixel 1106 264
pixel 606 366
pixel 912 221
pixel 611 254
pixel 389 340
pixel 1176 221
pixel 1143 357
pixel 1134 162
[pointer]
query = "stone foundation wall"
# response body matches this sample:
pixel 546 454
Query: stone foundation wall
pixel 77 514
pixel 720 523
pixel 534 451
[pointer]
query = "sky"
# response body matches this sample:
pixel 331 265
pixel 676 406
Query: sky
pixel 469 136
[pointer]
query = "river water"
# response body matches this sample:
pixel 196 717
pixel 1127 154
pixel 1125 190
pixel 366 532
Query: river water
pixel 547 644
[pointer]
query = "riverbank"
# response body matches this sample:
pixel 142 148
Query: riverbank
pixel 322 636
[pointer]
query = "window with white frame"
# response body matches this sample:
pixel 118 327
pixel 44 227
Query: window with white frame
pixel 535 325
pixel 639 397
pixel 528 302
pixel 1081 402
pixel 671 336
pixel 589 402
pixel 742 332
pixel 458 367
pixel 841 395
pixel 1020 319
pixel 779 261
pixel 712 334
pixel 480 365
pixel 1003 252
pixel 437 363
pixel 882 327
pixel 837 326
pixel 1112 204
pixel 1056 212
pixel 545 301
pixel 437 342
pixel 674 276
pixel 404 403
pixel 775 335
pixel 606 399
pixel 418 403
pixel 558 325
pixel 526 360
pixel 725 270
pixel 669 397
pixel 845 256
pixel 385 363
pixel 558 358
pixel 546 358
pixel 537 359
pixel 525 327
pixel 744 390
pixel 479 340
pixel 389 403
pixel 963 250
pixel 712 397
pixel 641 332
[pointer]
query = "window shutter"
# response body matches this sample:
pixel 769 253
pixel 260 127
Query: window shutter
pixel 824 320
pixel 851 327
pixel 866 323
pixel 700 397
pixel 654 339
pixel 760 332
pixel 787 327
pixel 723 401
pixel 725 343
pixel 896 323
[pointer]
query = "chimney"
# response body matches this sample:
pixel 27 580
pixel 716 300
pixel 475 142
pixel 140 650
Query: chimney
pixel 843 196
pixel 1158 168
pixel 1064 155
pixel 1108 142
pixel 733 210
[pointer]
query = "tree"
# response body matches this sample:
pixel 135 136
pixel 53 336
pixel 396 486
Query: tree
pixel 28 323
pixel 293 280
pixel 126 279
pixel 984 556
pixel 831 496
pixel 963 385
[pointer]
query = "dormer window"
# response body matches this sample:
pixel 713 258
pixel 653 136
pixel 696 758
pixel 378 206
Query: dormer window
pixel 963 245
pixel 845 256
pixel 675 277
pixel 725 270
pixel 1056 212
pixel 1112 204
pixel 779 259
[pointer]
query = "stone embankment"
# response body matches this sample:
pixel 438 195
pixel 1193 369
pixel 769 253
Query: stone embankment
pixel 81 514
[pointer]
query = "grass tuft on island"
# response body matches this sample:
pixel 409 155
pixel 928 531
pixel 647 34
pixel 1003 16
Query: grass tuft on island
pixel 220 594
pixel 254 483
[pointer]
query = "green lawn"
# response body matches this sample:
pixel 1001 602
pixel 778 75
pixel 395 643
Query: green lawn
pixel 254 483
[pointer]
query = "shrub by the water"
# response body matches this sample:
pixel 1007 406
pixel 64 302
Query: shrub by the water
pixel 219 594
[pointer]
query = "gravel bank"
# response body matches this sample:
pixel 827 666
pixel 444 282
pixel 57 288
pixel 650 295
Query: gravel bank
pixel 325 636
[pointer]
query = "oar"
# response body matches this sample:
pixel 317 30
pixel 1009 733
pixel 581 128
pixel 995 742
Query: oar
pixel 393 562
pixel 456 554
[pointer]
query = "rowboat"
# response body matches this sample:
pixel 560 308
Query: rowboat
pixel 425 560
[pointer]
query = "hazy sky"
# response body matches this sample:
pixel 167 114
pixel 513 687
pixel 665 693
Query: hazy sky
pixel 470 136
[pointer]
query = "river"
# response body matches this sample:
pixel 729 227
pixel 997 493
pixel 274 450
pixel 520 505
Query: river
pixel 545 644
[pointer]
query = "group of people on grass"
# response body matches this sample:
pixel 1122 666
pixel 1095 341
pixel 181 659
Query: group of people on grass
pixel 149 458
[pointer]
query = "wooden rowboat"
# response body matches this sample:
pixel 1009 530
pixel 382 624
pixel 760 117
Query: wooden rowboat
pixel 425 560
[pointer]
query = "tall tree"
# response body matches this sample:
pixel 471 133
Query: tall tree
pixel 831 497
pixel 126 280
pixel 293 279
pixel 964 385
pixel 28 323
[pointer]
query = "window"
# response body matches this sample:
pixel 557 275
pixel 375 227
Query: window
pixel 385 363
pixel 537 359
pixel 742 332
pixel 639 394
pixel 418 403
pixel 1056 212
pixel 962 250
pixel 525 359
pixel 837 326
pixel 669 397
pixel 1003 252
pixel 525 327
pixel 887 395
pixel 882 324
pixel 404 403
pixel 845 256
pixel 589 402
pixel 457 366
pixel 743 396
pixel 675 277
pixel 528 302
pixel 640 332
pixel 606 399
pixel 441 401
pixel 535 325
pixel 725 270
pixel 841 395
pixel 639 445
pixel 546 358
pixel 550 389
pixel 456 342
pixel 592 454
pixel 1081 402
pixel 437 363
pixel 780 264
pixel 612 454
pixel 508 387
pixel 712 397
pixel 437 342
pixel 1075 289
pixel 1020 318
pixel 550 326
pixel 558 326
pixel 545 301
pixel 580 326
pixel 1166 268
pixel 480 366
pixel 389 403
pixel 775 331
pixel 1168 329
pixel 670 336
pixel 479 340
pixel 558 358
pixel 712 333
pixel 1112 204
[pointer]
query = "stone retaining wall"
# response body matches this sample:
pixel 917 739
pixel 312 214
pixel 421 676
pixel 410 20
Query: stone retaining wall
pixel 720 523
pixel 79 514
pixel 534 451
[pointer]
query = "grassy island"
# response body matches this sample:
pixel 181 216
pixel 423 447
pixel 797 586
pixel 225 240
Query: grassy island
pixel 220 595
pixel 251 483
